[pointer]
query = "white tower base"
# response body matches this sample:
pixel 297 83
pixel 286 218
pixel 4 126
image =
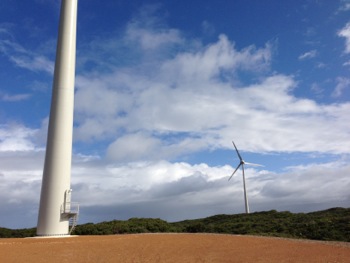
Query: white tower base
pixel 55 211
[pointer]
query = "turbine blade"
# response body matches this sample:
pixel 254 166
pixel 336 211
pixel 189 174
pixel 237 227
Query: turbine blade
pixel 253 164
pixel 234 171
pixel 240 157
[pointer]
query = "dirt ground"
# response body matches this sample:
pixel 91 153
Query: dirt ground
pixel 171 248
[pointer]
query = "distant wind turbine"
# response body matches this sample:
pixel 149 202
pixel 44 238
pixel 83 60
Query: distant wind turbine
pixel 242 163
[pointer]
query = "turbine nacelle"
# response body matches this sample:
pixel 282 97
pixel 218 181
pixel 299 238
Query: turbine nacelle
pixel 241 163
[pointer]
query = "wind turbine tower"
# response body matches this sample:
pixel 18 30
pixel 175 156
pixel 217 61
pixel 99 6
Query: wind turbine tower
pixel 56 210
pixel 242 163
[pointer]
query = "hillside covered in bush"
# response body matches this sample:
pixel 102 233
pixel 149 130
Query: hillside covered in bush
pixel 331 224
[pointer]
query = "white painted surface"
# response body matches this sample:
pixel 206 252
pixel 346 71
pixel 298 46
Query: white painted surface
pixel 57 167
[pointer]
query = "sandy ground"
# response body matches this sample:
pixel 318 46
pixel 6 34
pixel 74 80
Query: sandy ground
pixel 171 248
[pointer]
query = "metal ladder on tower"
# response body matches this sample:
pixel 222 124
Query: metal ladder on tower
pixel 73 222
pixel 70 211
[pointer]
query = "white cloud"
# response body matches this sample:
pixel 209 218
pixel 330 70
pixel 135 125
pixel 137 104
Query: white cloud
pixel 208 28
pixel 5 31
pixel 38 63
pixel 147 31
pixel 172 191
pixel 345 32
pixel 16 138
pixel 133 147
pixel 218 60
pixel 20 182
pixel 317 89
pixel 24 58
pixel 321 65
pixel 308 55
pixel 152 40
pixel 158 188
pixel 165 97
pixel 181 185
pixel 207 109
pixel 345 5
pixel 310 183
pixel 172 98
pixel 342 84
pixel 14 98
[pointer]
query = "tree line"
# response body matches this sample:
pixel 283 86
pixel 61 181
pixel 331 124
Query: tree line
pixel 331 224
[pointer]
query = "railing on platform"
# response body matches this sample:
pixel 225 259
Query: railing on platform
pixel 70 208
pixel 70 211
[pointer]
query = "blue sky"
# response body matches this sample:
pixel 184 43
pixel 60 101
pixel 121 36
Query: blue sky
pixel 162 88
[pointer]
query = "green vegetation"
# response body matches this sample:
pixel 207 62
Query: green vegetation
pixel 26 232
pixel 332 224
pixel 131 226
